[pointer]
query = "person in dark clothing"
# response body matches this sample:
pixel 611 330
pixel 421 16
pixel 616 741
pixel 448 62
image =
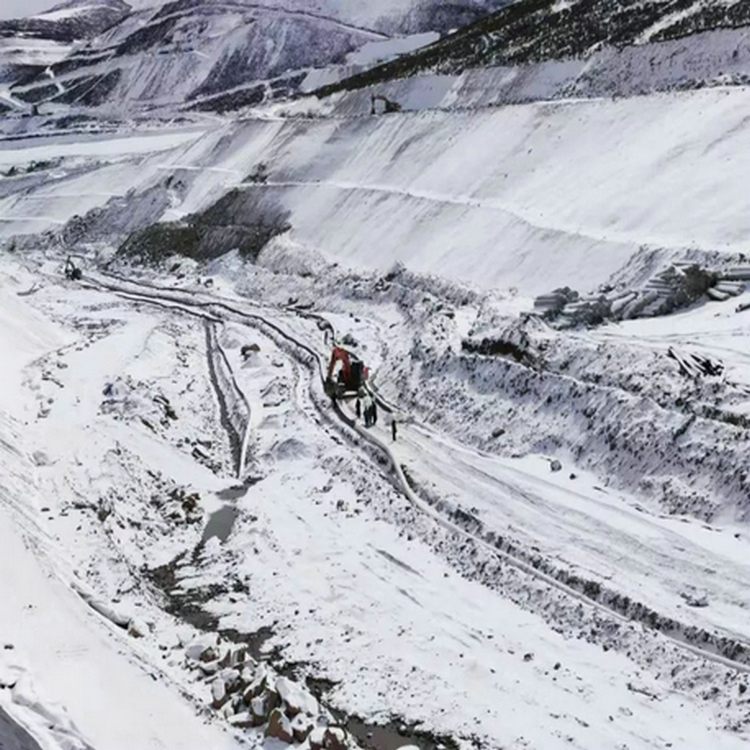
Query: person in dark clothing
pixel 393 429
pixel 358 408
pixel 374 413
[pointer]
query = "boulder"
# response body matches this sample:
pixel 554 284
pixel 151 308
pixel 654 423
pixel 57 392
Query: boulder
pixel 555 465
pixel 257 683
pixel 262 706
pixel 227 710
pixel 203 648
pixel 335 739
pixel 40 458
pixel 255 689
pixel 231 679
pixel 137 628
pixel 295 698
pixel 209 667
pixel 317 738
pixel 247 676
pixel 218 692
pixel 279 726
pixel 237 657
pixel 301 727
pixel 243 720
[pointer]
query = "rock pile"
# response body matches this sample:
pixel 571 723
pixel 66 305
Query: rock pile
pixel 250 695
pixel 182 506
pixel 675 287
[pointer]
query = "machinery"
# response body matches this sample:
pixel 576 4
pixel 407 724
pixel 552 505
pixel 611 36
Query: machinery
pixel 347 374
pixel 388 104
pixel 72 272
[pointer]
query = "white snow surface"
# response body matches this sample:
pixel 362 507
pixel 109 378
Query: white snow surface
pixel 62 13
pixel 78 683
pixel 405 613
pixel 350 578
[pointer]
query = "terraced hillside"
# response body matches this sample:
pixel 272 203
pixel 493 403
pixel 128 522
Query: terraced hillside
pixel 536 31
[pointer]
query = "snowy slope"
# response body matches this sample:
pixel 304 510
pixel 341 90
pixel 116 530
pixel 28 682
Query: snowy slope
pixel 193 51
pixel 64 670
pixel 29 46
pixel 551 551
pixel 224 55
pixel 530 31
pixel 69 21
pixel 398 616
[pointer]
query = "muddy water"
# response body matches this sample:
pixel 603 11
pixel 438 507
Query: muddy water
pixel 220 524
pixel 396 735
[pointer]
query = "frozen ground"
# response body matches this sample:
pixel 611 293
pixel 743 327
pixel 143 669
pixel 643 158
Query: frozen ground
pixel 156 482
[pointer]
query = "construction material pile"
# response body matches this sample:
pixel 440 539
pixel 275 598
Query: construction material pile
pixel 677 286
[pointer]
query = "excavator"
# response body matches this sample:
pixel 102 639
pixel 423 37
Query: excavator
pixel 347 374
pixel 388 104
pixel 72 272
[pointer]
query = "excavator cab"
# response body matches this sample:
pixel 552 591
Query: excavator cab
pixel 72 272
pixel 346 374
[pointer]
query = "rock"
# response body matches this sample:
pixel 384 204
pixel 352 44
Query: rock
pixel 528 657
pixel 40 458
pixel 227 710
pixel 317 738
pixel 231 678
pixel 262 706
pixel 225 657
pixel 237 657
pixel 209 667
pixel 203 648
pixel 295 698
pixel 242 720
pixel 279 726
pixel 218 692
pixel 555 465
pixel 137 628
pixel 247 676
pixel 255 680
pixel 255 689
pixel 695 600
pixel 9 675
pixel 301 727
pixel 335 739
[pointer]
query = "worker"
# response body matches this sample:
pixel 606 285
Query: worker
pixel 393 428
pixel 374 412
pixel 367 406
pixel 358 408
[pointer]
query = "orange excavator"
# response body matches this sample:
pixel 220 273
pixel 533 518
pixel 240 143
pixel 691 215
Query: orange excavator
pixel 347 374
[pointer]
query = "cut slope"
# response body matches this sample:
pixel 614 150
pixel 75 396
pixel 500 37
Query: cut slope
pixel 535 196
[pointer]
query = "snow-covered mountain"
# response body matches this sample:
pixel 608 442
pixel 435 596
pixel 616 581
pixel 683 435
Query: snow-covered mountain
pixel 585 35
pixel 69 21
pixel 543 540
pixel 214 54
pixel 30 45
